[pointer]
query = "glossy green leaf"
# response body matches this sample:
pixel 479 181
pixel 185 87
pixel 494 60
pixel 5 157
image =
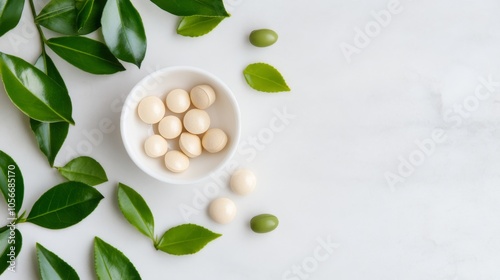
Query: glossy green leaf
pixel 123 31
pixel 185 239
pixel 50 137
pixel 11 184
pixel 195 26
pixel 10 14
pixel 111 264
pixel 136 210
pixel 64 205
pixel 79 4
pixel 11 242
pixel 87 54
pixel 52 267
pixel 193 7
pixel 85 170
pixel 33 92
pixel 264 77
pixel 47 66
pixel 88 18
pixel 59 16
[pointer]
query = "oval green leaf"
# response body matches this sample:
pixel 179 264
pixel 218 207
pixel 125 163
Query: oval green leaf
pixel 111 264
pixel 33 92
pixel 136 210
pixel 59 16
pixel 64 205
pixel 264 77
pixel 87 54
pixel 11 242
pixel 195 26
pixel 85 170
pixel 50 137
pixel 10 14
pixel 123 31
pixel 52 267
pixel 11 184
pixel 88 18
pixel 185 239
pixel 193 7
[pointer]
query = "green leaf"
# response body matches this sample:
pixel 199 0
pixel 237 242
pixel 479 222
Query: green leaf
pixel 47 66
pixel 111 264
pixel 195 26
pixel 136 210
pixel 123 31
pixel 50 137
pixel 88 18
pixel 52 267
pixel 11 183
pixel 10 14
pixel 264 77
pixel 64 205
pixel 33 92
pixel 11 242
pixel 59 16
pixel 185 239
pixel 80 3
pixel 87 54
pixel 193 7
pixel 85 170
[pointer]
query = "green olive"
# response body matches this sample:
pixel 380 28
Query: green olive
pixel 264 223
pixel 263 37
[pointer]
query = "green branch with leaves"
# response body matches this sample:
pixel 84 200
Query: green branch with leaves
pixel 62 206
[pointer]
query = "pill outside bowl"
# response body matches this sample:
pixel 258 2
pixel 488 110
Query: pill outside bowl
pixel 224 114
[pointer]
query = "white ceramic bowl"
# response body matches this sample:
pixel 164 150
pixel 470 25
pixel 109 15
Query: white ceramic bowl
pixel 224 114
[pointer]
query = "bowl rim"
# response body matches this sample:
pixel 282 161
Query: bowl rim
pixel 237 117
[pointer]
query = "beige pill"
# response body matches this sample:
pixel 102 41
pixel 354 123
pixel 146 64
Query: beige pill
pixel 196 121
pixel 178 100
pixel 214 140
pixel 202 96
pixel 155 146
pixel 170 127
pixel 190 144
pixel 151 109
pixel 243 181
pixel 176 161
pixel 222 210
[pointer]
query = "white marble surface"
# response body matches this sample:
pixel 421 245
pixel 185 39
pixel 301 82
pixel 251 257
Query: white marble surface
pixel 352 121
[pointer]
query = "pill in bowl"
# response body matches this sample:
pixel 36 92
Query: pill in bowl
pixel 193 103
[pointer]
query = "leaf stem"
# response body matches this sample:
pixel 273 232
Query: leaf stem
pixel 156 242
pixel 39 29
pixel 21 218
